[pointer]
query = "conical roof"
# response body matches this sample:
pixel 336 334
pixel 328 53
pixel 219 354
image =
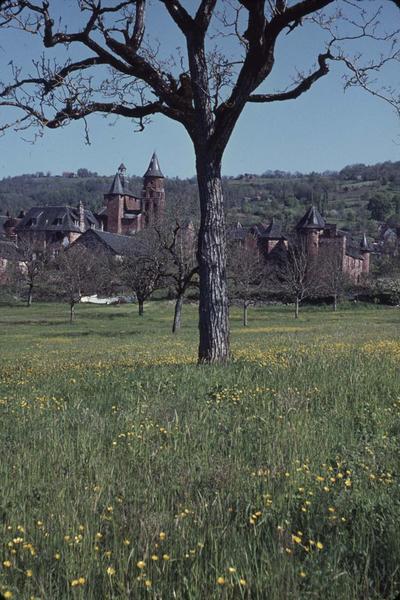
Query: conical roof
pixel 154 168
pixel 273 231
pixel 364 245
pixel 311 220
pixel 117 186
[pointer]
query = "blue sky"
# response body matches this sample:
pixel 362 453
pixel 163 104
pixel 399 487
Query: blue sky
pixel 324 129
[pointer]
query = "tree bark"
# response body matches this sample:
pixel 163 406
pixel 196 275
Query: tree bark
pixel 141 307
pixel 177 314
pixel 30 295
pixel 296 309
pixel 334 302
pixel 245 320
pixel 211 254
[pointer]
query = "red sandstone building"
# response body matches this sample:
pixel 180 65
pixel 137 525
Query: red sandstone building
pixel 126 213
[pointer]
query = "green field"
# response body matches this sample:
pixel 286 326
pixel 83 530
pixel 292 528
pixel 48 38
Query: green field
pixel 129 472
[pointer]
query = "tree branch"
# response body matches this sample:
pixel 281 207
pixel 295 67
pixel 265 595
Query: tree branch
pixel 302 87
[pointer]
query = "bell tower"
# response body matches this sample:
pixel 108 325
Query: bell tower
pixel 153 192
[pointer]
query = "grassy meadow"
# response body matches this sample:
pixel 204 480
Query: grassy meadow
pixel 128 472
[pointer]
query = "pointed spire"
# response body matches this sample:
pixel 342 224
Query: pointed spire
pixel 154 168
pixel 117 186
pixel 311 220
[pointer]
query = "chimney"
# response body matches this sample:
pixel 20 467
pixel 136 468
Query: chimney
pixel 81 216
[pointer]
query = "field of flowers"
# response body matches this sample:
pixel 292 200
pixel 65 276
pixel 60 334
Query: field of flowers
pixel 128 472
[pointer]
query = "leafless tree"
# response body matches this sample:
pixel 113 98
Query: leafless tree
pixel 178 240
pixel 297 276
pixel 30 270
pixel 75 272
pixel 143 270
pixel 204 86
pixel 247 274
pixel 334 280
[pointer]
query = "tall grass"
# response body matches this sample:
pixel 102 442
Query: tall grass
pixel 129 472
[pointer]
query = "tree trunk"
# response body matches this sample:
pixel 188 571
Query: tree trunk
pixel 245 320
pixel 177 314
pixel 141 308
pixel 71 312
pixel 334 302
pixel 30 294
pixel 211 254
pixel 296 309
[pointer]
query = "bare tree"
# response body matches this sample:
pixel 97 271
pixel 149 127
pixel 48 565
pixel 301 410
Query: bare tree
pixel 205 86
pixel 143 270
pixel 247 273
pixel 178 240
pixel 30 271
pixel 74 273
pixel 334 280
pixel 298 275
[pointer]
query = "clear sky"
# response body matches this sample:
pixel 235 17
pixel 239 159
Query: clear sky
pixel 325 129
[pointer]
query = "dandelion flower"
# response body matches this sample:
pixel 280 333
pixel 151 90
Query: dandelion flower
pixel 232 569
pixel 110 571
pixel 141 564
pixel 302 574
pixel 319 545
pixel 242 581
pixel 162 535
pixel 29 572
pixel 221 580
pixel 147 583
pixel 7 564
pixel 166 556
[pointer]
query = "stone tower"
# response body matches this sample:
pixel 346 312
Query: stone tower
pixel 115 201
pixel 310 227
pixel 365 251
pixel 153 191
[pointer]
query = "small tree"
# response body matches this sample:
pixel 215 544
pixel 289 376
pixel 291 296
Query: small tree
pixel 334 280
pixel 178 240
pixel 29 271
pixel 76 272
pixel 297 275
pixel 143 270
pixel 246 271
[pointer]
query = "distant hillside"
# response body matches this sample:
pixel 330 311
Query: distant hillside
pixel 357 197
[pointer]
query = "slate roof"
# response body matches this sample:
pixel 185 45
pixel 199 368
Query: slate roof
pixel 121 245
pixel 119 186
pixel 55 218
pixel 311 220
pixel 154 168
pixel 273 231
pixel 9 251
